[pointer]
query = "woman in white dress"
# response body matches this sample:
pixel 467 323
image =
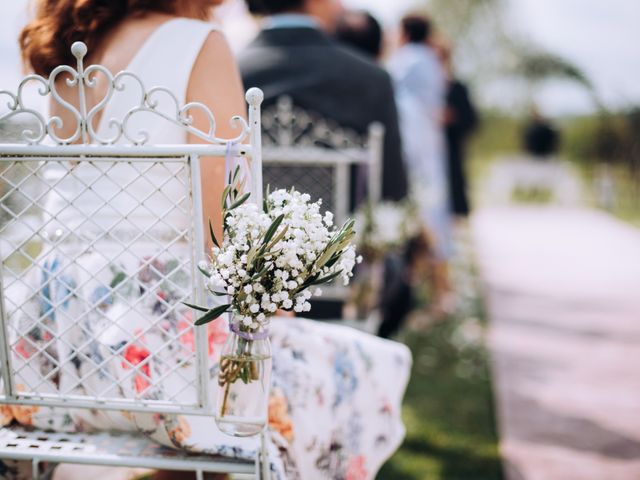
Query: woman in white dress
pixel 335 407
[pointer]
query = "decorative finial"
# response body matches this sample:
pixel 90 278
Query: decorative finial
pixel 376 129
pixel 78 50
pixel 254 96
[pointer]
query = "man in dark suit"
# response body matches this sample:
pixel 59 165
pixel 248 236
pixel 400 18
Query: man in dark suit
pixel 293 56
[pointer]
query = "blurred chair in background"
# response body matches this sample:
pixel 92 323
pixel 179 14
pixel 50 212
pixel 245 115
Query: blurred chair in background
pixel 317 156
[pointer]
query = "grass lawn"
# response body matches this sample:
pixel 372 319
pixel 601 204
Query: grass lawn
pixel 448 408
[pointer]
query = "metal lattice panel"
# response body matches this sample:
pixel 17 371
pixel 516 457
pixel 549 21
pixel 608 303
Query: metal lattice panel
pixel 317 181
pixel 94 280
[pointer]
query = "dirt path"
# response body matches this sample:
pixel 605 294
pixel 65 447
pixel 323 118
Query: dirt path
pixel 563 287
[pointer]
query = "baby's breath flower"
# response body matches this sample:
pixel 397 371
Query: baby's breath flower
pixel 261 281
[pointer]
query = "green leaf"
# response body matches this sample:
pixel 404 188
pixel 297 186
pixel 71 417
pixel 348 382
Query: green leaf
pixel 236 172
pixel 349 224
pixel 225 194
pixel 118 279
pixel 244 373
pixel 213 235
pixel 240 201
pixel 212 314
pixel 327 278
pixel 308 282
pixel 346 229
pixel 272 229
pixel 196 307
pixel 329 251
pixel 278 237
pixel 251 255
pixel 256 276
pixel 265 200
pixel 204 272
pixel 332 261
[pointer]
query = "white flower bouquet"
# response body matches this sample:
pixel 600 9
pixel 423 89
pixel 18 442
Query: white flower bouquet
pixel 382 228
pixel 385 227
pixel 270 258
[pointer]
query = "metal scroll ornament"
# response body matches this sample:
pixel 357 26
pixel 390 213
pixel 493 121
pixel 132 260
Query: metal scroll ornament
pixel 83 79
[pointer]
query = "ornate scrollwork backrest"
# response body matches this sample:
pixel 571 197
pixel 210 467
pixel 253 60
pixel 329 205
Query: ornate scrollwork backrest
pixel 85 78
pixel 285 125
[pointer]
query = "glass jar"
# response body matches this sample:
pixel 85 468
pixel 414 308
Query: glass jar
pixel 244 379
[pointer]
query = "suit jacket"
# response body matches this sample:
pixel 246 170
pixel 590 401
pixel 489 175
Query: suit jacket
pixel 324 77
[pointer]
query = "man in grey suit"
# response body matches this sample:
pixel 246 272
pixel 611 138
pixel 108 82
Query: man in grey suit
pixel 293 56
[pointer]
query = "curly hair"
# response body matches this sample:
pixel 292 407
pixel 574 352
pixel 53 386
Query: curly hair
pixel 45 42
pixel 417 28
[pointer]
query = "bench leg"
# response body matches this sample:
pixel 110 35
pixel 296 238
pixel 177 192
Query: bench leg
pixel 264 456
pixel 35 469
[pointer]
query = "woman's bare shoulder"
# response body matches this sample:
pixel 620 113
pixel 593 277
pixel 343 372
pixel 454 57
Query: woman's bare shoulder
pixel 215 56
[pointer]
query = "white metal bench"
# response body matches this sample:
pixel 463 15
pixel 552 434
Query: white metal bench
pixel 28 232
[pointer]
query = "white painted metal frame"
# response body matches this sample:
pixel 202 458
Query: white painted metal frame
pixel 110 449
pixel 293 136
pixel 125 146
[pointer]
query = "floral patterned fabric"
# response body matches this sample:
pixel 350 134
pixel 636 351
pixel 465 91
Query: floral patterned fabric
pixel 334 410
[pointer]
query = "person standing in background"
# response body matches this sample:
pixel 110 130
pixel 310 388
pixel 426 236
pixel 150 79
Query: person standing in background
pixel 460 119
pixel 420 94
pixel 360 30
pixel 540 138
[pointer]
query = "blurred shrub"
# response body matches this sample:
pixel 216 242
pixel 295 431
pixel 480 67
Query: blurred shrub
pixel 608 137
pixel 498 134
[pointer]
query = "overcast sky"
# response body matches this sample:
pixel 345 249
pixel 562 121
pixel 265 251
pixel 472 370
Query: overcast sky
pixel 600 36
